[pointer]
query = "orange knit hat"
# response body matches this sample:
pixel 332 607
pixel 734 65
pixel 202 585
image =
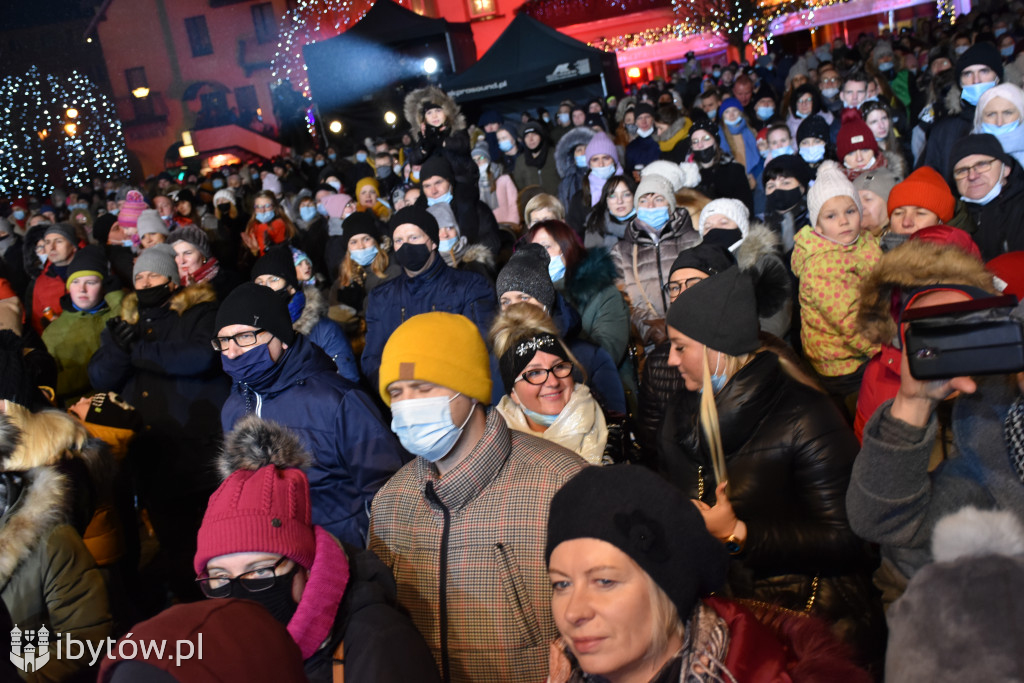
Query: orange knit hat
pixel 924 188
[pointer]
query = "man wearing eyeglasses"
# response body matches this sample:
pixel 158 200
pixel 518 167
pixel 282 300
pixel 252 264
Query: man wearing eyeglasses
pixel 463 525
pixel 990 182
pixel 280 375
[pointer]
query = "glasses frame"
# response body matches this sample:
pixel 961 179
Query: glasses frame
pixel 684 285
pixel 219 344
pixel 567 365
pixel 979 168
pixel 241 580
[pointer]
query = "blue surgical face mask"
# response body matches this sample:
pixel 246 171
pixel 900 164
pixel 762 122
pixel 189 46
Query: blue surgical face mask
pixel 581 160
pixel 604 172
pixel 1000 32
pixel 320 163
pixel 563 118
pixel 716 73
pixel 655 218
pixel 972 93
pixel 992 194
pixel 264 216
pixel 1006 51
pixel 332 157
pixel 42 258
pixel 735 124
pixel 360 156
pixel 322 210
pixel 425 426
pixel 128 243
pixel 505 145
pixel 20 215
pixel 960 49
pixel 782 151
pixel 556 268
pixel 717 381
pixel 446 198
pixel 1000 130
pixel 307 213
pixel 813 154
pixel 541 419
pixel 218 183
pixel 830 92
pixel 336 184
pixel 112 212
pixel 448 244
pixel 886 66
pixel 363 257
pixel 415 175
pixel 765 113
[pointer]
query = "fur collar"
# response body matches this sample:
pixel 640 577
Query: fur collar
pixel 30 439
pixel 595 273
pixel 312 312
pixel 477 253
pixel 913 264
pixel 255 443
pixel 624 104
pixel 760 240
pixel 565 161
pixel 954 105
pixel 414 114
pixel 182 300
pixel 41 507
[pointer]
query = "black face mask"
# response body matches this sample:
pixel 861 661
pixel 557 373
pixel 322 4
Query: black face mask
pixel 704 156
pixel 153 297
pixel 224 208
pixel 891 240
pixel 781 201
pixel 723 238
pixel 277 599
pixel 412 256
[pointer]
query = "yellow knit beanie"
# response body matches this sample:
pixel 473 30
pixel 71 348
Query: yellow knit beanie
pixel 441 348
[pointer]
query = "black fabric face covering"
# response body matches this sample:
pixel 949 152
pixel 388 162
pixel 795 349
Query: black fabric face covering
pixel 781 201
pixel 412 256
pixel 153 297
pixel 277 599
pixel 723 238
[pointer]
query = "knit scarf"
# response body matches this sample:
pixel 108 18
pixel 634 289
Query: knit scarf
pixel 203 273
pixel 1014 432
pixel 318 607
pixel 537 161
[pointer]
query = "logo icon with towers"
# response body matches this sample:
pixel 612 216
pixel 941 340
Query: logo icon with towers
pixel 34 653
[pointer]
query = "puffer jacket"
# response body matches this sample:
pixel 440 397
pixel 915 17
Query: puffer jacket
pixel 565 161
pixel 72 339
pixel 830 276
pixel 438 288
pixel 48 576
pixel 353 451
pixel 727 179
pixel 174 379
pixel 467 552
pixel 659 385
pixel 643 261
pixel 760 255
pixel 452 142
pixel 314 324
pixel 789 454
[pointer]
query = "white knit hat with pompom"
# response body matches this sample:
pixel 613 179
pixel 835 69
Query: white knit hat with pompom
pixel 831 182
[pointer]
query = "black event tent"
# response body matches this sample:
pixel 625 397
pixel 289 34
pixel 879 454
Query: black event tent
pixel 530 65
pixel 361 73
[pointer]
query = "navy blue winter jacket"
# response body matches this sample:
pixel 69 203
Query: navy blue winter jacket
pixel 354 452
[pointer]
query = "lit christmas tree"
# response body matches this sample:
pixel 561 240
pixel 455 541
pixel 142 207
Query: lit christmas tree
pixel 56 131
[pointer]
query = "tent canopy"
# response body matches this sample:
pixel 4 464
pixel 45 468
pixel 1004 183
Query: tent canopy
pixel 530 57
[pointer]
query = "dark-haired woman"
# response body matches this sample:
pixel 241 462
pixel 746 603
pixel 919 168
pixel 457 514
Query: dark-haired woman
pixel 607 221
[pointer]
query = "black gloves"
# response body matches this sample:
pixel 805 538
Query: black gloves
pixel 123 333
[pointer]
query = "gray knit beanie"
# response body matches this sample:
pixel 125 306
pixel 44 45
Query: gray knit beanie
pixel 158 259
pixel 527 272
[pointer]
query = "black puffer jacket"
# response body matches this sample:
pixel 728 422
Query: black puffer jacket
pixel 789 454
pixel 999 222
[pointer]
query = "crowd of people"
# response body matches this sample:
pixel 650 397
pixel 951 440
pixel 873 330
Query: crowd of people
pixel 618 392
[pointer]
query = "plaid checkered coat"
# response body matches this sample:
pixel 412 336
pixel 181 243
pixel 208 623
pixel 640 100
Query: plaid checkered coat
pixel 467 552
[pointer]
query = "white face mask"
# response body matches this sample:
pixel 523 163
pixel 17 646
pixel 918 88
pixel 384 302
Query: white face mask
pixel 645 133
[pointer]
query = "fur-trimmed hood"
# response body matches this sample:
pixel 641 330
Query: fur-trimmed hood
pixel 30 439
pixel 255 443
pixel 182 300
pixel 595 273
pixel 478 253
pixel 954 105
pixel 565 161
pixel 915 263
pixel 624 104
pixel 760 240
pixel 413 109
pixel 312 312
pixel 42 504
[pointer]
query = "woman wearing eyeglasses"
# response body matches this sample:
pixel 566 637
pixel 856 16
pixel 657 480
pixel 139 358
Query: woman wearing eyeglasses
pixel 268 226
pixel 257 542
pixel 542 396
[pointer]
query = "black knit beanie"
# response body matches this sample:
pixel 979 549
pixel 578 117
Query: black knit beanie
pixel 527 272
pixel 978 143
pixel 257 306
pixel 709 259
pixel 90 259
pixel 419 217
pixel 981 53
pixel 647 518
pixel 719 312
pixel 277 261
pixel 436 166
pixel 813 127
pixel 360 223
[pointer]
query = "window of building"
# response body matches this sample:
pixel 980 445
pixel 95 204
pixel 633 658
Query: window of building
pixel 265 22
pixel 246 100
pixel 136 78
pixel 198 36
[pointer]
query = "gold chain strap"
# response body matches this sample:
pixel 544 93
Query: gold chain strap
pixel 700 482
pixel 814 594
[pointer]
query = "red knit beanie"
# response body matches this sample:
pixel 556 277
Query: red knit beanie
pixel 134 205
pixel 924 188
pixel 266 510
pixel 854 134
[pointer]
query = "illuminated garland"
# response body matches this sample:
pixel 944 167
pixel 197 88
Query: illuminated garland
pixel 946 11
pixel 56 129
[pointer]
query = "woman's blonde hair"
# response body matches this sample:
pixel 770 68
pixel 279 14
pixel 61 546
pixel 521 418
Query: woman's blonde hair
pixel 521 321
pixel 665 622
pixel 351 272
pixel 543 201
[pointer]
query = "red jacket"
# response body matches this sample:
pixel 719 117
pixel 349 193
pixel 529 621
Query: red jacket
pixel 46 291
pixel 881 382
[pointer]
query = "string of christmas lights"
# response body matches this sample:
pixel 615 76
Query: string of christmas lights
pixel 56 130
pixel 946 11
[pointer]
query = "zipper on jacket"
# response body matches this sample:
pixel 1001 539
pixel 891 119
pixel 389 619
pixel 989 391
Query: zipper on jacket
pixel 661 279
pixel 442 588
pixel 403 314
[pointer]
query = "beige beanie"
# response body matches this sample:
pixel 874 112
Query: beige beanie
pixel 831 182
pixel 656 184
